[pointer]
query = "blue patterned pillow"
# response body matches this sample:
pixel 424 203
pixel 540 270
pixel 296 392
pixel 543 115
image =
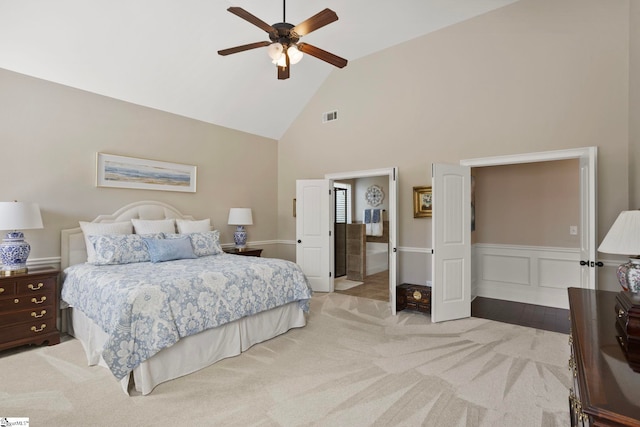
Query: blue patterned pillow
pixel 204 243
pixel 120 248
pixel 169 249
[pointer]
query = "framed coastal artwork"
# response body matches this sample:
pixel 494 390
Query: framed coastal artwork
pixel 422 202
pixel 144 174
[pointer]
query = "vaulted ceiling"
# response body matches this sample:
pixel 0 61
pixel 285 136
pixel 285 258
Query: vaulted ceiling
pixel 163 53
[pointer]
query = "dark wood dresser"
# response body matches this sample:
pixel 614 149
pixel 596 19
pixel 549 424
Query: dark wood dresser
pixel 606 391
pixel 29 308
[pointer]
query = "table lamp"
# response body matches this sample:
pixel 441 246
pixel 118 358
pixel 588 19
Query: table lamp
pixel 14 251
pixel 624 239
pixel 240 217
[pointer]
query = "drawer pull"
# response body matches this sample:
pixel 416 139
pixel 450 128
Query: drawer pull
pixel 35 288
pixel 1 290
pixel 35 301
pixel 15 301
pixel 572 366
pixel 37 316
pixel 576 407
pixel 620 313
pixel 34 329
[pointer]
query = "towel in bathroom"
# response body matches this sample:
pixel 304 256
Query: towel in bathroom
pixel 376 215
pixel 367 222
pixel 376 223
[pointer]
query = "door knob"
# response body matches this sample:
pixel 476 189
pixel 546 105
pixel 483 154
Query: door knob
pixel 299 241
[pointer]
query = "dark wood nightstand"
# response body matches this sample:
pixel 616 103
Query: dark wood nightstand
pixel 245 251
pixel 29 308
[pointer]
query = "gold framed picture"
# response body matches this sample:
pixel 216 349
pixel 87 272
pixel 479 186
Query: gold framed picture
pixel 422 202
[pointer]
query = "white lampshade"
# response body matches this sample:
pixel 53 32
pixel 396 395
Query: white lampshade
pixel 240 216
pixel 294 54
pixel 282 61
pixel 275 51
pixel 624 236
pixel 19 216
pixel 624 239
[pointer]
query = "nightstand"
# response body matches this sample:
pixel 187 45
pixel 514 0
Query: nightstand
pixel 245 251
pixel 29 308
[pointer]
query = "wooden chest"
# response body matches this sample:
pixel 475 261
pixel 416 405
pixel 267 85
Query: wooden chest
pixel 413 297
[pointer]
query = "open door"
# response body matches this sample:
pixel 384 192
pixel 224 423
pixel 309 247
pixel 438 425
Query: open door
pixel 451 222
pixel 588 224
pixel 314 232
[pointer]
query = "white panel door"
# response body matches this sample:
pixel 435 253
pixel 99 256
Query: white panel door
pixel 588 224
pixel 314 232
pixel 451 222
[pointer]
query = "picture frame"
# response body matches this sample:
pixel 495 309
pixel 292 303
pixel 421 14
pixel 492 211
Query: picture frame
pixel 422 202
pixel 144 174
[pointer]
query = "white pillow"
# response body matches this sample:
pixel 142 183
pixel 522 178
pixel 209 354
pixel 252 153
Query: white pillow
pixel 101 229
pixel 188 226
pixel 154 226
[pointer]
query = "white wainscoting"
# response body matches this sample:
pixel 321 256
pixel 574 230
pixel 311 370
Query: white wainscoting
pixel 528 274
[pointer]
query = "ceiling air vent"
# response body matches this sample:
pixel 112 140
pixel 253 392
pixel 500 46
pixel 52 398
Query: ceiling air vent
pixel 330 116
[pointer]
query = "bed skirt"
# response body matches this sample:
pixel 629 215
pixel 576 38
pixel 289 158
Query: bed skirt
pixel 192 353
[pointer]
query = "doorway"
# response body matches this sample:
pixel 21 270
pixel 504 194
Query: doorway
pixel 390 194
pixel 587 232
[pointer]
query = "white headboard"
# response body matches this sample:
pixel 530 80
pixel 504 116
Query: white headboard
pixel 72 246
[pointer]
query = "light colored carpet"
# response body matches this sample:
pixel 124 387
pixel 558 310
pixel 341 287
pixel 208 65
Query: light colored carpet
pixel 352 365
pixel 342 284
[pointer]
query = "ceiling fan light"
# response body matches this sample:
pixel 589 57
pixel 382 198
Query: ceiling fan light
pixel 282 61
pixel 275 51
pixel 294 54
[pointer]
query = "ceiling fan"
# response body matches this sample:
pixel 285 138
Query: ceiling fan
pixel 284 48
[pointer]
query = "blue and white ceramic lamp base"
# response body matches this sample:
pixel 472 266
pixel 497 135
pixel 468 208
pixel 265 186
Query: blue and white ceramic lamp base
pixel 629 275
pixel 14 252
pixel 240 237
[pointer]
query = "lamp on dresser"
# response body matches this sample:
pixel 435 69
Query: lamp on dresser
pixel 240 217
pixel 624 239
pixel 14 251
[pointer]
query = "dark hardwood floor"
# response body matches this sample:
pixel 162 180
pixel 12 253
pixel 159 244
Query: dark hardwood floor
pixel 535 316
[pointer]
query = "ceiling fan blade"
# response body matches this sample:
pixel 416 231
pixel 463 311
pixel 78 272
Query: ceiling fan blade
pixel 283 72
pixel 242 48
pixel 318 20
pixel 238 11
pixel 322 54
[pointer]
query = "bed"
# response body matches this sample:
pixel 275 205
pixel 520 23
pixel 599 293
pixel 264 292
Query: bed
pixel 151 320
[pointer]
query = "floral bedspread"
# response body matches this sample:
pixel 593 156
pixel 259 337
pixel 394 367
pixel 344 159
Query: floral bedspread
pixel 146 307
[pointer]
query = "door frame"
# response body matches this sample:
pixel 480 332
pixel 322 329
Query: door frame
pixel 588 208
pixel 392 173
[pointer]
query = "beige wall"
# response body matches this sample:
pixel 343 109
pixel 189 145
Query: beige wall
pixel 50 134
pixel 634 106
pixel 531 204
pixel 537 75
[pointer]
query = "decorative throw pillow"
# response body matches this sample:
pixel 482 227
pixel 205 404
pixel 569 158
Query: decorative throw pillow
pixel 121 248
pixel 203 243
pixel 100 229
pixel 152 226
pixel 169 249
pixel 188 226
